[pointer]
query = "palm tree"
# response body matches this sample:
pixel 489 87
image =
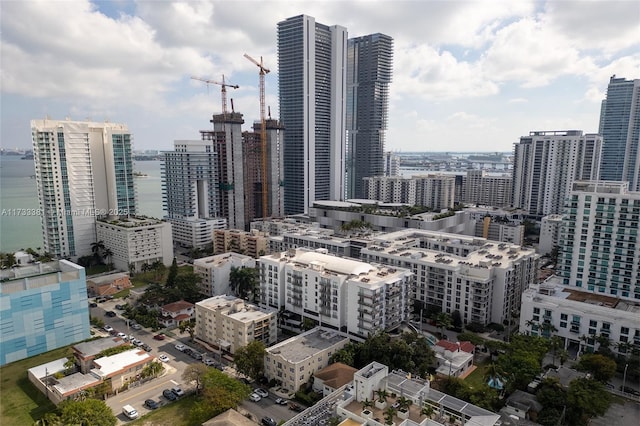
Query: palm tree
pixel 404 403
pixel 427 410
pixel 443 321
pixel 97 249
pixel 108 254
pixel 389 413
pixel 382 395
pixel 556 345
pixel 366 404
pixel 243 281
pixel 547 328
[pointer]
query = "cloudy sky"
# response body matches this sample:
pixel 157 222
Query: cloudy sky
pixel 468 75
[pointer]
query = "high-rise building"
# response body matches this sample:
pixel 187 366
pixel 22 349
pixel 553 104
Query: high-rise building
pixel 190 192
pixel 391 164
pixel 620 130
pixel 598 248
pixel 312 90
pixel 545 165
pixel 369 70
pixel 84 170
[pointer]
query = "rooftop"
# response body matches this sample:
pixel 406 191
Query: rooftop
pixel 303 346
pixel 336 374
pixel 94 347
pixel 177 306
pixel 132 221
pixel 109 365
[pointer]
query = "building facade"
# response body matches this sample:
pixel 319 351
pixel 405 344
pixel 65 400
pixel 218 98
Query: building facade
pixel 231 323
pixel 312 92
pixel 251 243
pixel 43 307
pixel 481 279
pixel 620 130
pixel 481 188
pixel 546 164
pixel 215 272
pixel 598 248
pixel 136 241
pixel 83 170
pixel 369 72
pixel 391 164
pixel 550 226
pixel 579 318
pixel 347 295
pixel 294 361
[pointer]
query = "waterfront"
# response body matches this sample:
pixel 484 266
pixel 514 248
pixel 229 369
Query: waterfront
pixel 18 194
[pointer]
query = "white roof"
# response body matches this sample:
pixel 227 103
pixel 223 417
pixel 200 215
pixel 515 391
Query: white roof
pixel 334 263
pixel 114 363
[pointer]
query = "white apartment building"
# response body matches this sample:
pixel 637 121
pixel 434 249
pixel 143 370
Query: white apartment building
pixel 435 191
pixel 391 164
pixel 579 317
pixel 231 323
pixel 546 164
pixel 481 188
pixel 334 292
pixel 549 233
pixel 390 189
pixel 214 271
pixel 294 361
pixel 195 232
pixel 599 244
pixel 136 241
pixel 83 170
pixel 491 229
pixel 481 279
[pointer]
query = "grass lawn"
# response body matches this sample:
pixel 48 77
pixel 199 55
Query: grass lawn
pixel 476 378
pixel 22 403
pixel 174 414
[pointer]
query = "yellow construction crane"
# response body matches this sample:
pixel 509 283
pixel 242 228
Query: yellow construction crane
pixel 223 90
pixel 263 134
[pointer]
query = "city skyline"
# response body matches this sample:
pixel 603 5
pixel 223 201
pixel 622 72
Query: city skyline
pixel 472 76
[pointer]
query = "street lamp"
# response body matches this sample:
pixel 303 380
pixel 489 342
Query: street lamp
pixel 624 377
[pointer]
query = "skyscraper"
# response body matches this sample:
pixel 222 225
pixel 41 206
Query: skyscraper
pixel 369 69
pixel 84 170
pixel 545 165
pixel 620 130
pixel 312 90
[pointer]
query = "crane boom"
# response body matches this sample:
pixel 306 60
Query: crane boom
pixel 263 134
pixel 223 90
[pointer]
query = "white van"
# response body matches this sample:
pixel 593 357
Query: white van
pixel 130 412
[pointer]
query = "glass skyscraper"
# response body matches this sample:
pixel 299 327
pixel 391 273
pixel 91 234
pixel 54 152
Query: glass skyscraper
pixel 369 71
pixel 620 130
pixel 312 91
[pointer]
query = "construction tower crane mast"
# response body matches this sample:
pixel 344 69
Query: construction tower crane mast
pixel 263 134
pixel 223 90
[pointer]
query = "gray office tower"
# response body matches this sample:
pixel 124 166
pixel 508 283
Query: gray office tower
pixel 369 70
pixel 312 90
pixel 620 130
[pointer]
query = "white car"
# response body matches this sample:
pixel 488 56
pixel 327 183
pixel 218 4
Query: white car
pixel 122 335
pixel 177 390
pixel 136 326
pixel 255 397
pixel 137 342
pixel 108 328
pixel 263 393
pixel 209 362
pixel 180 347
pixel 163 358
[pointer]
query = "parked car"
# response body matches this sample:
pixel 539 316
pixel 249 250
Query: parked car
pixel 196 355
pixel 93 305
pixel 146 347
pixel 180 347
pixel 268 421
pixel 137 342
pixel 263 393
pixel 187 351
pixel 108 328
pixel 627 389
pixel 295 407
pixel 163 358
pixel 281 401
pixel 120 307
pixel 110 314
pixel 136 327
pixel 109 297
pixel 209 362
pixel 151 404
pixel 177 390
pixel 168 393
pixel 122 335
pixel 159 336
pixel 255 397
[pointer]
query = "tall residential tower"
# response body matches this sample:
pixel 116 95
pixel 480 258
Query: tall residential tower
pixel 312 89
pixel 369 70
pixel 84 170
pixel 620 130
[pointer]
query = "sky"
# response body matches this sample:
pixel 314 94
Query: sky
pixel 469 76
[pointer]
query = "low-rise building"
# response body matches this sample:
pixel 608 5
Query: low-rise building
pixel 43 306
pixel 454 358
pixel 231 323
pixel 86 352
pixel 136 241
pixel 173 314
pixel 294 361
pixel 215 271
pixel 580 318
pixel 105 285
pixel 333 377
pixel 195 232
pixel 253 243
pixel 550 227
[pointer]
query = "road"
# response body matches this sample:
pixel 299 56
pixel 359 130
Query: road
pixel 172 376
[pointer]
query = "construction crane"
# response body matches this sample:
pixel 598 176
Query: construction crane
pixel 263 133
pixel 223 90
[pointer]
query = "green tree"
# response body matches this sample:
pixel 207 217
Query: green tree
pixel 249 359
pixel 7 260
pixel 188 326
pixel 173 274
pixel 97 248
pixel 108 254
pixel 389 414
pixel 586 399
pixel 195 373
pixel 456 319
pixel 153 369
pixel 90 412
pixel 601 367
pixel 219 393
pixel 243 281
pixel 382 395
pixel 471 337
pixel 346 355
pixel 443 321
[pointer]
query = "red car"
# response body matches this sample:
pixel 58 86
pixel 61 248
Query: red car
pixel 159 337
